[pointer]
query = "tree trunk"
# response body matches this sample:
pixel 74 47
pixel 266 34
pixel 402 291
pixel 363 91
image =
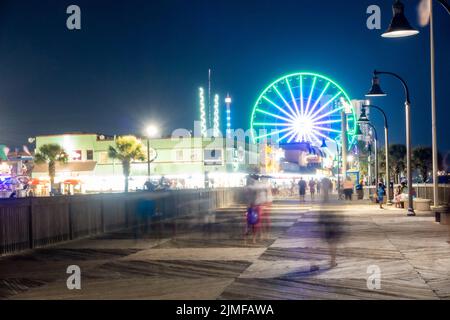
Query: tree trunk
pixel 126 183
pixel 52 174
pixel 126 172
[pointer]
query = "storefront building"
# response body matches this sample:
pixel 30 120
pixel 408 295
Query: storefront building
pixel 187 162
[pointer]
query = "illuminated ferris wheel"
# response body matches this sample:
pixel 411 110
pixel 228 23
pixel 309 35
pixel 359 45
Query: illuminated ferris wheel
pixel 302 107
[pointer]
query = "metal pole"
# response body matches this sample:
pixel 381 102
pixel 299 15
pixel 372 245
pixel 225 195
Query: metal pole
pixel 387 179
pixel 376 162
pixel 376 152
pixel 148 158
pixel 433 112
pixel 344 144
pixel 409 160
pixel 338 171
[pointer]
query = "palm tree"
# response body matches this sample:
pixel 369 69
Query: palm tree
pixel 398 159
pixel 422 160
pixel 127 149
pixel 51 154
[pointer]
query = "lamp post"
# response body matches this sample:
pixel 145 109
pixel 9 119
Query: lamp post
pixel 364 119
pixel 338 156
pixel 376 150
pixel 151 132
pixel 376 91
pixel 323 147
pixel 403 30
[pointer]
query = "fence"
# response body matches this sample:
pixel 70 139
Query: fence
pixel 424 191
pixel 37 222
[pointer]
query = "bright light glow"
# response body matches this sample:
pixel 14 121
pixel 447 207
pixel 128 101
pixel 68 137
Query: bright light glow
pixel 201 93
pixel 216 123
pixel 350 158
pixel 152 131
pixel 228 105
pixel 283 112
pixel 400 34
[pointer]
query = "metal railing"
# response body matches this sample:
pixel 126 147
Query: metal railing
pixel 37 222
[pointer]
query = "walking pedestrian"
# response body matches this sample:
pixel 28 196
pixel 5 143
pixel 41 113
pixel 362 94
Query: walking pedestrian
pixel 380 194
pixel 326 187
pixel 312 188
pixel 302 189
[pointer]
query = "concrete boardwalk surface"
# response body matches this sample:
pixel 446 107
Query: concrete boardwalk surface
pixel 209 257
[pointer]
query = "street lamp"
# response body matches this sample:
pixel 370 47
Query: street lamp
pixel 399 26
pixel 151 132
pixel 364 119
pixel 403 30
pixel 374 92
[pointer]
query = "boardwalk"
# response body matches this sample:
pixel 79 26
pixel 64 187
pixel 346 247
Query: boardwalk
pixel 210 258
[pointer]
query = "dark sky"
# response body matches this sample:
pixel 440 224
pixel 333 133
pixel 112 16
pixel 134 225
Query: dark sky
pixel 136 61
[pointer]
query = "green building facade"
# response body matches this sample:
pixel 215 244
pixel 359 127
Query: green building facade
pixel 188 162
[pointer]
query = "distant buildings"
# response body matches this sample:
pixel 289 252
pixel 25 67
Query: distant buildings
pixel 189 162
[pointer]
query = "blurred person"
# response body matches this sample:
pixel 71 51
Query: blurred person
pixel 318 185
pixel 257 196
pixel 292 189
pixel 312 188
pixel 267 206
pixel 332 227
pixel 348 188
pixel 326 187
pixel 398 196
pixel 302 189
pixel 380 194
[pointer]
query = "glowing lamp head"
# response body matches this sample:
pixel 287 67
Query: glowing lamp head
pixel 228 100
pixel 375 90
pixel 151 131
pixel 350 158
pixel 399 26
pixel 363 117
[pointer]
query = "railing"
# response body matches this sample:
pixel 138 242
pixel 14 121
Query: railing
pixel 424 191
pixel 38 222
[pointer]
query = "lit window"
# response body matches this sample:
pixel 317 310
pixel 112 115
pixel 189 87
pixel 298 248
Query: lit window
pixel 179 155
pixel 103 157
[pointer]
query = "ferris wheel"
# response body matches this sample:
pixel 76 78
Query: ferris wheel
pixel 302 107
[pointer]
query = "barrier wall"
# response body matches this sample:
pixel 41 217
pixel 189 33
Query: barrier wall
pixel 424 191
pixel 37 222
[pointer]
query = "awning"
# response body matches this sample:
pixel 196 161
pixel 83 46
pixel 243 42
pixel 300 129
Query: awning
pixel 73 182
pixel 75 166
pixel 36 181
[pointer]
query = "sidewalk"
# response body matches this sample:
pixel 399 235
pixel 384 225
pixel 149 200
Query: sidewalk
pixel 199 258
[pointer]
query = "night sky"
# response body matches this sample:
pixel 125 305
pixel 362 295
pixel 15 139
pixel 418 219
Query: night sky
pixel 140 61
